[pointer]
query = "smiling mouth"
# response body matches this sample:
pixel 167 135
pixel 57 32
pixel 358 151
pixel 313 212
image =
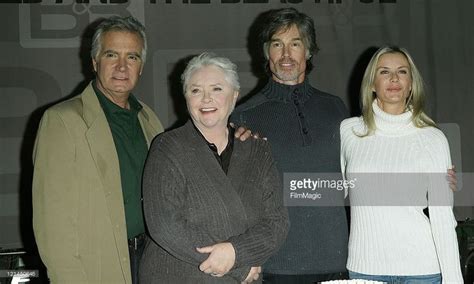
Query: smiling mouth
pixel 286 65
pixel 120 78
pixel 394 89
pixel 207 109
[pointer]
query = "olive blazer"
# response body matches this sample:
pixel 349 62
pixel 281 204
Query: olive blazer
pixel 78 210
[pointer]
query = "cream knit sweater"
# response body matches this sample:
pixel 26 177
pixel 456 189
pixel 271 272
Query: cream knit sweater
pixel 398 238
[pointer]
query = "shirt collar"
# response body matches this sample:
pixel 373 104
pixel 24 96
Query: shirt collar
pixel 212 146
pixel 111 107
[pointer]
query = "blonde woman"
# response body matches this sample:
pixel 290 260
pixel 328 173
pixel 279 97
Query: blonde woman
pixel 398 243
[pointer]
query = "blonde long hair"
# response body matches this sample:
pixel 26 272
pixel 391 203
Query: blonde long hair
pixel 415 101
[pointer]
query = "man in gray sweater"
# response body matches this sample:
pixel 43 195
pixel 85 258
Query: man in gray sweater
pixel 302 126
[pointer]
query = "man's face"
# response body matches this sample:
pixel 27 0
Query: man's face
pixel 118 64
pixel 287 56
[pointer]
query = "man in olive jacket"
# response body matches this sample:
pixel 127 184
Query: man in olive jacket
pixel 88 161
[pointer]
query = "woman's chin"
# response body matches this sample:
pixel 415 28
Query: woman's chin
pixel 212 124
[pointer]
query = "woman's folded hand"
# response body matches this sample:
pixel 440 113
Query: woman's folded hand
pixel 221 259
pixel 254 274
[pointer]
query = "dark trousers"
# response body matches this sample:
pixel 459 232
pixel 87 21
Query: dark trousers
pixel 136 246
pixel 302 279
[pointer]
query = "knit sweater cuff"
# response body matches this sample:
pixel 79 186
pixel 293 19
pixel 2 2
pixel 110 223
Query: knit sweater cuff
pixel 239 273
pixel 246 251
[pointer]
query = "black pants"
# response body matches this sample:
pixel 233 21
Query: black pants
pixel 302 279
pixel 136 246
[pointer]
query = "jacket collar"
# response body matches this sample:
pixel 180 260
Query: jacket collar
pixel 92 110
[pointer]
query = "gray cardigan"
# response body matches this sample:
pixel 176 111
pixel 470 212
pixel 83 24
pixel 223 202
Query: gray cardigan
pixel 190 202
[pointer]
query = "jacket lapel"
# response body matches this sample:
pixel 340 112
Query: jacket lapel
pixel 102 148
pixel 148 130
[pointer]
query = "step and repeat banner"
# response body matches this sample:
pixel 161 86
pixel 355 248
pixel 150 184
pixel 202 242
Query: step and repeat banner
pixel 45 58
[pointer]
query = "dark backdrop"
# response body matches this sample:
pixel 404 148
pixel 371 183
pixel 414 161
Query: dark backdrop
pixel 45 58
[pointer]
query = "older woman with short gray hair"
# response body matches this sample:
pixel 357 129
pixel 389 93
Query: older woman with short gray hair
pixel 213 204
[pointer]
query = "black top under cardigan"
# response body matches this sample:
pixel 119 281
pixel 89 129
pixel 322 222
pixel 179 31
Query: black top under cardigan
pixel 190 202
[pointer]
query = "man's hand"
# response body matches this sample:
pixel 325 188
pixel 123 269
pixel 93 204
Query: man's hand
pixel 254 274
pixel 221 259
pixel 451 177
pixel 243 133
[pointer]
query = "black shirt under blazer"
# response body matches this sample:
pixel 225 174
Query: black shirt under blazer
pixel 190 202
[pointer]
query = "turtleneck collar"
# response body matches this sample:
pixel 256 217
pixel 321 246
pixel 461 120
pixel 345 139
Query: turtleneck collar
pixel 391 124
pixel 286 93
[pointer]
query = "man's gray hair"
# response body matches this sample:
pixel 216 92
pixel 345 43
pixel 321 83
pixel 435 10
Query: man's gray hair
pixel 121 24
pixel 211 59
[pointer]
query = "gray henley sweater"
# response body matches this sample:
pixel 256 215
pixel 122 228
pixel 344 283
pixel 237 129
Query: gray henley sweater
pixel 302 126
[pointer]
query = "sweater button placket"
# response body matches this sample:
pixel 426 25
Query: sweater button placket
pixel 303 127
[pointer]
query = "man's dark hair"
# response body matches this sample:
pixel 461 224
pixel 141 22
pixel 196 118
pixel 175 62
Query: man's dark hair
pixel 282 19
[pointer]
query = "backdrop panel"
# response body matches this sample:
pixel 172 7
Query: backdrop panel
pixel 45 58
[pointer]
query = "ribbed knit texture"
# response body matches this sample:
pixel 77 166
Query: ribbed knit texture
pixel 190 202
pixel 400 240
pixel 302 126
